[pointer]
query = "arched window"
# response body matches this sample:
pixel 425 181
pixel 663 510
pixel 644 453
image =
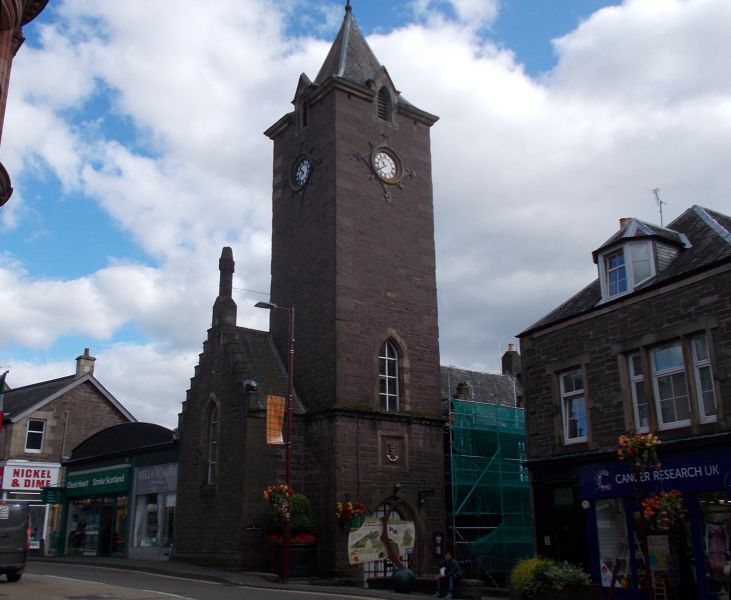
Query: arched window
pixel 212 453
pixel 384 104
pixel 388 372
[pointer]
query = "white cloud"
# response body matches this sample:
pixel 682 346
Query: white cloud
pixel 529 175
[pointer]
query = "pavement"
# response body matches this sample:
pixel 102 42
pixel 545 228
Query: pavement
pixel 243 578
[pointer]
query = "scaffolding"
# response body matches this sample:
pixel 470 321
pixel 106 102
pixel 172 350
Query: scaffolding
pixel 492 520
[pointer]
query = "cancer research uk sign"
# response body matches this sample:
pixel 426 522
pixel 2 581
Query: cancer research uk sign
pixel 29 476
pixel 698 471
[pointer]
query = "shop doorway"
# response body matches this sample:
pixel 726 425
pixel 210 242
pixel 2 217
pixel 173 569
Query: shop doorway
pixel 106 530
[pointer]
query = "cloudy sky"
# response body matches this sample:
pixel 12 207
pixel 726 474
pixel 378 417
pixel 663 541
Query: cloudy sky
pixel 133 135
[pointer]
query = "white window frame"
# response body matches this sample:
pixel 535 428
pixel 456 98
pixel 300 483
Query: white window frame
pixel 213 434
pixel 670 372
pixel 637 382
pixel 30 431
pixel 568 396
pixel 388 377
pixel 701 364
pixel 626 250
pixel 633 263
pixel 609 271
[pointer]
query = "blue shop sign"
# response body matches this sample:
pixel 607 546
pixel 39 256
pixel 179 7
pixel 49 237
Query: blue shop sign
pixel 698 471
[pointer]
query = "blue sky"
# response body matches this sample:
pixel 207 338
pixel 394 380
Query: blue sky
pixel 133 136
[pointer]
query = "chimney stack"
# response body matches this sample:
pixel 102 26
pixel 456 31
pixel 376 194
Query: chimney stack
pixel 623 221
pixel 511 361
pixel 85 364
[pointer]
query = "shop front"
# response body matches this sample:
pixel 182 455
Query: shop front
pixel 24 481
pixel 97 503
pixel 686 555
pixel 154 511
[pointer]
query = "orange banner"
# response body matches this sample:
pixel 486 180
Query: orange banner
pixel 275 419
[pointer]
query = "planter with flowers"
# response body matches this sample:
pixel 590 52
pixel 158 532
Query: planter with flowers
pixel 351 515
pixel 283 504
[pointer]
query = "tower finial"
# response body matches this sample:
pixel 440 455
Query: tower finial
pixel 348 8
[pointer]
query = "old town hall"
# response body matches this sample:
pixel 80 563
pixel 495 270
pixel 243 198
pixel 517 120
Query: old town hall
pixel 353 257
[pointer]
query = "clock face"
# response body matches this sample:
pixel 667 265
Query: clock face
pixel 385 165
pixel 301 172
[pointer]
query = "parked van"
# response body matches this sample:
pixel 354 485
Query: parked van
pixel 14 538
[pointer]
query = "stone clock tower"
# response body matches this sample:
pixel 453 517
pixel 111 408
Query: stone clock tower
pixel 353 252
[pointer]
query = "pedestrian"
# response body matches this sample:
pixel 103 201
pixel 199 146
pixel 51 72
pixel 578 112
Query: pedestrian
pixel 449 574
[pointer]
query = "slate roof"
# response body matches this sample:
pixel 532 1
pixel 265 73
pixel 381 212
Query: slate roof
pixel 491 388
pixel 350 56
pixel 709 235
pixel 634 229
pixel 255 355
pixel 19 402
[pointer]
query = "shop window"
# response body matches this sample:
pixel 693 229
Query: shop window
pixel 147 522
pixel 388 361
pixel 715 519
pixel 34 435
pixel 573 406
pixel 614 555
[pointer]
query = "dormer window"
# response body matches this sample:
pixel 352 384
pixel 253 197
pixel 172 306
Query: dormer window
pixel 623 269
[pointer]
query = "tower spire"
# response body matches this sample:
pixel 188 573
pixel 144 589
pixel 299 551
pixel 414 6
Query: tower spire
pixel 350 56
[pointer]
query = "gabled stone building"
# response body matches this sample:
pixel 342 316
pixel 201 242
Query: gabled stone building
pixel 43 422
pixel 353 255
pixel 644 348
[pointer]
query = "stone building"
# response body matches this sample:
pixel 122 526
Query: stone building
pixel 14 14
pixel 644 348
pixel 43 422
pixel 353 258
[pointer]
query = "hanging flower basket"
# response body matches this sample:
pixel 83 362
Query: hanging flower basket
pixel 639 450
pixel 664 510
pixel 350 514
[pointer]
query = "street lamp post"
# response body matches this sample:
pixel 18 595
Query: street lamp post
pixel 288 441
